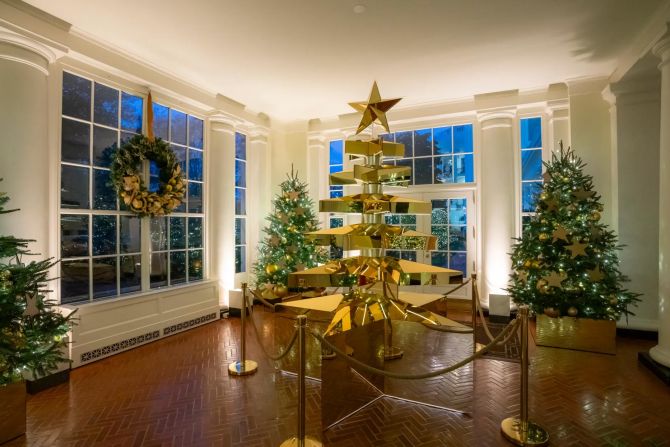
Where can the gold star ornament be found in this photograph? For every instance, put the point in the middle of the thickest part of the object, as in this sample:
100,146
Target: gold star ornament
577,249
554,279
560,233
596,274
374,110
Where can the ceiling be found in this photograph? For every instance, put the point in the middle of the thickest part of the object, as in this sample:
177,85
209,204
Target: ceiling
302,59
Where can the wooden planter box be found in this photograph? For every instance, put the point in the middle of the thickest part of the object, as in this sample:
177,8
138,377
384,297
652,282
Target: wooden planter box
581,334
12,411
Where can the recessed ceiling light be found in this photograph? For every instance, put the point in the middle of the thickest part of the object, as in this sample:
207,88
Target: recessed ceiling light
359,9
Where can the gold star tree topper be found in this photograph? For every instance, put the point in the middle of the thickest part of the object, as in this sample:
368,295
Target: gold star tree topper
374,110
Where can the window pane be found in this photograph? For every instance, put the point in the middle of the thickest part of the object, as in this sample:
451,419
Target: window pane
104,236
177,233
131,273
131,112
458,261
444,169
74,281
194,197
74,187
180,152
240,146
406,139
240,173
529,193
442,234
408,255
75,139
388,137
393,253
531,133
177,127
106,106
423,142
408,220
158,277
159,233
463,138
458,211
104,277
336,152
442,143
410,164
336,191
240,231
464,170
177,267
104,145
104,196
423,171
74,235
161,124
195,266
195,232
336,222
531,165
194,132
130,234
439,259
335,168
125,137
458,237
240,202
195,164
76,96
439,215
240,259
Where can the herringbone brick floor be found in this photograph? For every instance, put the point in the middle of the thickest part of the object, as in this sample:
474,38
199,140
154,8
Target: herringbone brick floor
176,392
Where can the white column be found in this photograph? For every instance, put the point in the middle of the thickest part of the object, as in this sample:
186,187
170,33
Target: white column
559,123
259,189
497,205
317,175
661,352
221,211
24,145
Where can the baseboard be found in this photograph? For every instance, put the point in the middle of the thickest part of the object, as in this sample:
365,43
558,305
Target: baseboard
637,333
662,372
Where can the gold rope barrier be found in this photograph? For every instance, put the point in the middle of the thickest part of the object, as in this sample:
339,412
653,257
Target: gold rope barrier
243,367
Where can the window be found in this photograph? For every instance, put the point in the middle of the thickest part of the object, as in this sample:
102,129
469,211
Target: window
448,222
101,242
531,165
335,221
336,164
240,202
407,221
177,240
440,155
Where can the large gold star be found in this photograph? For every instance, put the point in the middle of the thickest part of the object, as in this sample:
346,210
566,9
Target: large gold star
596,274
560,233
554,279
577,249
374,110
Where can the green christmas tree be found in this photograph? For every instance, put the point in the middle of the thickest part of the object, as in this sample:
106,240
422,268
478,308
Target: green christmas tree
566,260
285,248
31,330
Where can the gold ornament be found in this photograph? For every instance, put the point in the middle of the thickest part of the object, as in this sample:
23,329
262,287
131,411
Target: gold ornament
595,216
536,264
271,268
552,205
527,263
544,196
543,237
577,249
374,110
596,275
541,283
274,241
554,279
572,311
551,312
299,211
293,195
560,233
522,276
614,300
582,194
280,290
546,177
31,306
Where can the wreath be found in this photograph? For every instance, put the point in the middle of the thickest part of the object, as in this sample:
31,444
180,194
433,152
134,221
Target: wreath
127,180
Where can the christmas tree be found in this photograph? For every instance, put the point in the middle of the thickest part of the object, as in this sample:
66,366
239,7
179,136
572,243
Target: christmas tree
566,260
285,248
31,330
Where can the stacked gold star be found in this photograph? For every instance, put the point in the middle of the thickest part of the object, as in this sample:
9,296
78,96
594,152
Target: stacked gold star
373,279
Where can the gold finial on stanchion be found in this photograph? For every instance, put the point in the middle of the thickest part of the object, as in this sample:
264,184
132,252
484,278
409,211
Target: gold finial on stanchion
301,440
243,367
521,431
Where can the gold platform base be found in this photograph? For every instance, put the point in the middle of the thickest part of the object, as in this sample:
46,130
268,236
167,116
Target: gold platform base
582,334
392,353
532,435
242,369
293,442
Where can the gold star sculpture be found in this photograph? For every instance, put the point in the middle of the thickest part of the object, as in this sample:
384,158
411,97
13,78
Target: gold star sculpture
577,249
596,274
554,279
560,233
374,110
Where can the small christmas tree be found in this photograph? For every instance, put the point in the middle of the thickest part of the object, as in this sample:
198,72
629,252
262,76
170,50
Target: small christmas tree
31,330
566,260
285,248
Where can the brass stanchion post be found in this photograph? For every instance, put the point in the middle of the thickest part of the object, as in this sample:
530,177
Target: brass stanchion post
301,440
243,367
521,431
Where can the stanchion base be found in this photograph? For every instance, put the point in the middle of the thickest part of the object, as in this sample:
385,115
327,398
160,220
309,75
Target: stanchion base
242,369
532,435
392,353
328,356
293,442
